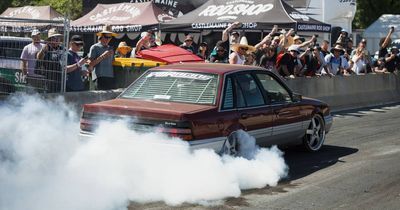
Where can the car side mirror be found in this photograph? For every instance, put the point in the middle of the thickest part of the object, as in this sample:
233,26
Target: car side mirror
296,97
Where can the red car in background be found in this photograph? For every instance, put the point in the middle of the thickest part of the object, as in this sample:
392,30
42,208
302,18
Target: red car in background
205,104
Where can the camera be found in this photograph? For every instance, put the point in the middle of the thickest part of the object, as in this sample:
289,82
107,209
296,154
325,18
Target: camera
316,35
392,28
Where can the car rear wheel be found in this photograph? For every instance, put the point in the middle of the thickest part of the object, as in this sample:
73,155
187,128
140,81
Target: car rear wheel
231,145
315,134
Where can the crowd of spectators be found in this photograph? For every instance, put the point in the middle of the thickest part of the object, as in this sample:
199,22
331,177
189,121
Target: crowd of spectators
284,52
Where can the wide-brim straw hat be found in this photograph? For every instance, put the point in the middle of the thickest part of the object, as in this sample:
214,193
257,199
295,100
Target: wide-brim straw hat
53,32
337,47
123,45
297,37
243,44
106,30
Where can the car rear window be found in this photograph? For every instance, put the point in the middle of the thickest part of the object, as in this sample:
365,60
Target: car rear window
175,86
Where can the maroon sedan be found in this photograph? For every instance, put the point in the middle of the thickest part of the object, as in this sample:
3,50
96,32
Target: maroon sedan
205,104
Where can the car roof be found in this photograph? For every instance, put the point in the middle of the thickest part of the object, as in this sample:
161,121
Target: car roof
213,68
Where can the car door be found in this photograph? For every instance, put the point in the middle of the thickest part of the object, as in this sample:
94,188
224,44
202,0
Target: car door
254,114
287,118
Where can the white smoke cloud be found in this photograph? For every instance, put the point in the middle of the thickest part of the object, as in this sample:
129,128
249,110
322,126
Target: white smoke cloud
44,165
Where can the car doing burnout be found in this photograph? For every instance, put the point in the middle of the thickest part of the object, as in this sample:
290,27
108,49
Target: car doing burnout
206,104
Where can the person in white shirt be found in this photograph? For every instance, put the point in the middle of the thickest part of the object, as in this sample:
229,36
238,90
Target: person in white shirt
28,55
238,56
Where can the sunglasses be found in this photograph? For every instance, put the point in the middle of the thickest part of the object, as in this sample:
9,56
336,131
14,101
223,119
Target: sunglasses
78,44
244,48
221,50
107,37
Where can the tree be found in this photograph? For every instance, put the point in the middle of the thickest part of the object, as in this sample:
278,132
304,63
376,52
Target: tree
370,10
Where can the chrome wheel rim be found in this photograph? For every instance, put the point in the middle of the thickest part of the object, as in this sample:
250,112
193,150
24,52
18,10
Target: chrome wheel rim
230,146
315,134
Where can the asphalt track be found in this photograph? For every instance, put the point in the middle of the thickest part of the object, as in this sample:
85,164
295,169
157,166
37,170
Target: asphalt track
358,168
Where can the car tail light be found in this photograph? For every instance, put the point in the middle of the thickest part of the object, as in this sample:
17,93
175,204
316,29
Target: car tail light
183,133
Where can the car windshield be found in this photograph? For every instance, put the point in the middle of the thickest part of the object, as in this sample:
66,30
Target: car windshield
175,86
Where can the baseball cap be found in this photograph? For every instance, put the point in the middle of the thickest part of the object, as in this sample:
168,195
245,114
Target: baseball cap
76,39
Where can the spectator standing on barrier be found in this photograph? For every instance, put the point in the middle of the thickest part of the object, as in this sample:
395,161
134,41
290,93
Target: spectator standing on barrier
49,61
101,56
268,60
343,38
393,60
313,63
29,53
287,64
367,56
74,65
380,66
336,63
146,41
188,44
203,51
220,55
359,62
324,48
384,43
123,50
238,56
229,38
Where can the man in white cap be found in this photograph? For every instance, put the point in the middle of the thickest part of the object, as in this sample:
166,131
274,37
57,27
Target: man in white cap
287,63
28,55
101,56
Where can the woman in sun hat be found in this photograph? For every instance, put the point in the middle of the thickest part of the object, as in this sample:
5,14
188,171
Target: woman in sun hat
123,50
238,56
101,56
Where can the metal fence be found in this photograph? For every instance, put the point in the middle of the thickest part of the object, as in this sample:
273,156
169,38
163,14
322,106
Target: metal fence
45,75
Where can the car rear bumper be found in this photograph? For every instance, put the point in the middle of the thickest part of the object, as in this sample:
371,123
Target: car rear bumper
213,143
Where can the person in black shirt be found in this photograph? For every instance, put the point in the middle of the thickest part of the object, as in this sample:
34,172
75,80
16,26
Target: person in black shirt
384,43
221,55
49,60
393,60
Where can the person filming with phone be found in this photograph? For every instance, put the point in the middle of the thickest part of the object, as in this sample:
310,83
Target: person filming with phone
74,65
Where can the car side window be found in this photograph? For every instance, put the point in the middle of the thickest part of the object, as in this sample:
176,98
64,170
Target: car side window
228,95
250,91
276,93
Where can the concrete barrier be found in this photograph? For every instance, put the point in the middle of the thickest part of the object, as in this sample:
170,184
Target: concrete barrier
340,92
350,92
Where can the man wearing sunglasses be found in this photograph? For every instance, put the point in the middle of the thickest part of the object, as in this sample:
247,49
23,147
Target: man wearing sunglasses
101,56
74,65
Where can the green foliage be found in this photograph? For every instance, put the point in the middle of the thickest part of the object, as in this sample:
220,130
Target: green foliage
73,8
370,10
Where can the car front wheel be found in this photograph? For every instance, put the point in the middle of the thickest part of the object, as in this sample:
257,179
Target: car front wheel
315,134
231,145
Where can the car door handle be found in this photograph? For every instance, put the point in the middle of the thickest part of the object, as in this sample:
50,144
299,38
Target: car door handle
283,112
244,116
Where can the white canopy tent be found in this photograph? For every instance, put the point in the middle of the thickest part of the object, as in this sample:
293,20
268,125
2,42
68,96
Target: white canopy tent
379,29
